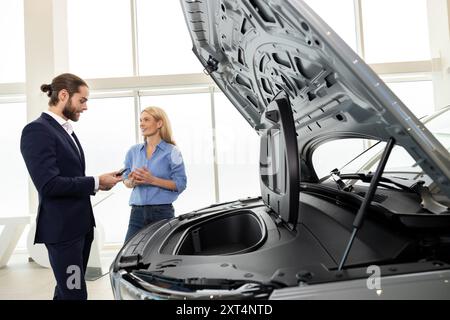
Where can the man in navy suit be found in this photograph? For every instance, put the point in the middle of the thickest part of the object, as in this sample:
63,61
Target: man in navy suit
55,161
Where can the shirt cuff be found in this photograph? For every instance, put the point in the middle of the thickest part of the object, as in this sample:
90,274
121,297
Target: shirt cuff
97,184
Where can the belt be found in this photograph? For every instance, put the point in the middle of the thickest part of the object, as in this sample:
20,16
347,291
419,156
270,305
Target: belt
152,205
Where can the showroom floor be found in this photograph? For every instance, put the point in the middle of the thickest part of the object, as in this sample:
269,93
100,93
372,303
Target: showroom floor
23,280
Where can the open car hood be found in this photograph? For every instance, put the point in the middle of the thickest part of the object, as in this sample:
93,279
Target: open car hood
255,49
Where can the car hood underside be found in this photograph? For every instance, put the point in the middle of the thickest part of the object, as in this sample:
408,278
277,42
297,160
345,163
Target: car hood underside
256,49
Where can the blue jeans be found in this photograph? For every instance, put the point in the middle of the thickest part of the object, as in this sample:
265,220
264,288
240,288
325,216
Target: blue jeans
142,216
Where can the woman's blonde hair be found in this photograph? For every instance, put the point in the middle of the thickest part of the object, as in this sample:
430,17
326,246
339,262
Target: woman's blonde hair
166,130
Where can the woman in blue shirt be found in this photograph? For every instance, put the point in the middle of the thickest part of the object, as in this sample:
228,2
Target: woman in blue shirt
154,170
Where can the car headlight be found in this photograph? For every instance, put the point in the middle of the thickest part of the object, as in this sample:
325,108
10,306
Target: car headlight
123,290
129,292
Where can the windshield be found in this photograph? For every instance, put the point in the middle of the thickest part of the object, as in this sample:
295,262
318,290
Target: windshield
362,155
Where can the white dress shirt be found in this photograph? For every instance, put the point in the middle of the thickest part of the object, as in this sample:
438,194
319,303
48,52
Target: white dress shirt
67,126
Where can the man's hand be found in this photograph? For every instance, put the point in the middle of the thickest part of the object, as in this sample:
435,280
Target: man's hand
142,176
108,180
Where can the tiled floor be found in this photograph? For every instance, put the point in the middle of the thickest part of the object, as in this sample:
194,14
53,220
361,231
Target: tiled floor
23,280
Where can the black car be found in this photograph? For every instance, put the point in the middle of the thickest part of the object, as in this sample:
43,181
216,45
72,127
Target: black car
376,232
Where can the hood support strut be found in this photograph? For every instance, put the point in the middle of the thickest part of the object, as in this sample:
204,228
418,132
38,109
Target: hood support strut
362,212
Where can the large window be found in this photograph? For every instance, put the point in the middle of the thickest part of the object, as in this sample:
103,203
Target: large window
12,54
14,186
190,116
100,38
416,95
237,152
395,31
106,131
339,15
165,46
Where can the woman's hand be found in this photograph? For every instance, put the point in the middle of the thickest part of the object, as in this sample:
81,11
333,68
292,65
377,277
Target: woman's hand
129,182
142,176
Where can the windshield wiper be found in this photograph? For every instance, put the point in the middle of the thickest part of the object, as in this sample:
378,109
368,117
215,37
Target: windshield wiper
418,187
367,177
336,176
339,178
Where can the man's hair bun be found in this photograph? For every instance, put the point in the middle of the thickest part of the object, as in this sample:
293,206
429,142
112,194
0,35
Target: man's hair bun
47,88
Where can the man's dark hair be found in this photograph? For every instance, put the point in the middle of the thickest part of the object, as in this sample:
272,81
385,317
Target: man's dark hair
67,81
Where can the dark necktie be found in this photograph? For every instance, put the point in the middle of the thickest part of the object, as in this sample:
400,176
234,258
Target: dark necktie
79,147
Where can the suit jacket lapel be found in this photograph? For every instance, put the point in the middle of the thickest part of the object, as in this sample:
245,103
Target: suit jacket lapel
83,161
58,127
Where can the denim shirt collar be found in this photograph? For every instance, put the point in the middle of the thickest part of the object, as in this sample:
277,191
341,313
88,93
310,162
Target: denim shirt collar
161,145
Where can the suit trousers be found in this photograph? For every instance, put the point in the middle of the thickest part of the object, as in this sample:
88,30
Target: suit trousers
69,260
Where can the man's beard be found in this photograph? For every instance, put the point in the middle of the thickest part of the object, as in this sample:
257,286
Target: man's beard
69,112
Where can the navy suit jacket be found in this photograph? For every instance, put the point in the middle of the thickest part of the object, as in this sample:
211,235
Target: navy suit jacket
58,173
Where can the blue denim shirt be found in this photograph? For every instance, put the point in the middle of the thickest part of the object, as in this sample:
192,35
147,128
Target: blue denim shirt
166,162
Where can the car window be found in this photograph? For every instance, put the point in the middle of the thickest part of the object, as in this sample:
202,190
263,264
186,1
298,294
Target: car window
362,155
346,156
399,162
337,154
